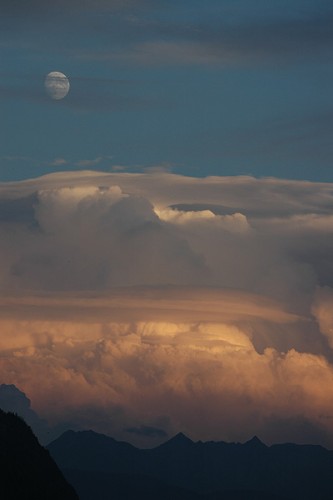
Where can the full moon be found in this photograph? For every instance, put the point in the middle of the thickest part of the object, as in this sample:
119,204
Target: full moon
57,85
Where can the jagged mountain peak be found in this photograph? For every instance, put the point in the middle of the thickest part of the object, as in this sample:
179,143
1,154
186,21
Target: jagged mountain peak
179,440
255,442
198,468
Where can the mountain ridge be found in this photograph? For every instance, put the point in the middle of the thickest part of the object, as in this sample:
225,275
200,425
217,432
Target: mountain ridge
201,468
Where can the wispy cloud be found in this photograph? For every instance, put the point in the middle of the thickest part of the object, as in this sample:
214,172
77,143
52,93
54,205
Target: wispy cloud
92,162
224,42
82,163
226,36
16,158
58,162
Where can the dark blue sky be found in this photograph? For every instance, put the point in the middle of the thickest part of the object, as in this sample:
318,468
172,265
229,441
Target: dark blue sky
220,87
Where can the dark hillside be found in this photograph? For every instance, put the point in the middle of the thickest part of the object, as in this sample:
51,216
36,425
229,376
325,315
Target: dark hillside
26,469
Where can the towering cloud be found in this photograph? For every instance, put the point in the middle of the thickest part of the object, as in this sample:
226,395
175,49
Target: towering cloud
155,301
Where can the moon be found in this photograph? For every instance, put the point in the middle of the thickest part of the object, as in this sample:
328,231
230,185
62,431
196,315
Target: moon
56,85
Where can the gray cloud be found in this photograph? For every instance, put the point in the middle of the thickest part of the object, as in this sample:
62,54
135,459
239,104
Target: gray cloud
123,228
293,430
184,244
18,210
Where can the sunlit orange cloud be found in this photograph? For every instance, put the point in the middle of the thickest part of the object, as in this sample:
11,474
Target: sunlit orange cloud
184,357
196,304
29,320
201,305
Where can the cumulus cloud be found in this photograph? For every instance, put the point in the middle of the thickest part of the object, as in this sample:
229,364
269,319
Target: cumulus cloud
202,376
235,223
155,301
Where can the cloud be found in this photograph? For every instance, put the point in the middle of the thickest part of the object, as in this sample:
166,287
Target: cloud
90,163
225,38
129,300
235,223
83,163
144,32
323,312
58,162
161,53
202,376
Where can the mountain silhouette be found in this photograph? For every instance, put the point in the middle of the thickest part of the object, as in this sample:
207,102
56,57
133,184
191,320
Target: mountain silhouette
179,441
15,401
26,468
181,468
254,443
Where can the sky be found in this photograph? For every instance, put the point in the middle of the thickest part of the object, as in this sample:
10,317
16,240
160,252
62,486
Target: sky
166,228
218,87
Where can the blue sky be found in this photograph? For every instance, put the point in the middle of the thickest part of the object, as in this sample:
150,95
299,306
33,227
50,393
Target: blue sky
200,88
